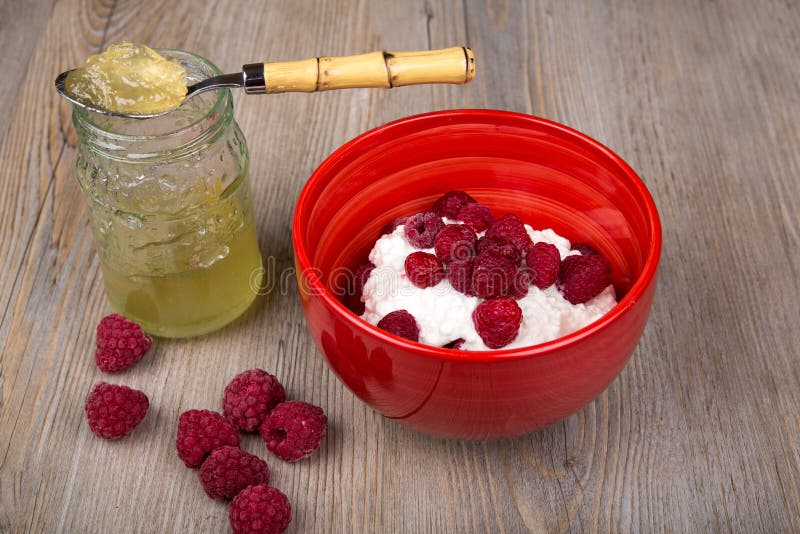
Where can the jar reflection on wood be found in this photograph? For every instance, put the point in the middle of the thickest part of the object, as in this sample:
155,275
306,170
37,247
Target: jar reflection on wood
171,211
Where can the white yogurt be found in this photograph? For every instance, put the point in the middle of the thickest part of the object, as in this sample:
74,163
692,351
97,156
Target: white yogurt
444,314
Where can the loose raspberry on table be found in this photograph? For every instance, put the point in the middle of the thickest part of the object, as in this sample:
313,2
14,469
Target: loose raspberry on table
492,275
120,343
497,321
113,411
585,249
200,432
544,262
260,509
249,397
477,216
421,229
459,274
455,242
228,470
352,298
511,228
499,246
583,277
391,226
294,430
424,269
400,323
449,204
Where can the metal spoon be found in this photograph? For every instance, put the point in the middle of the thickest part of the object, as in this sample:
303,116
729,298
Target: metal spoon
374,69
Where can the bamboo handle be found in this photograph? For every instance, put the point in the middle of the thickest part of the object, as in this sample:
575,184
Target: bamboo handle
374,69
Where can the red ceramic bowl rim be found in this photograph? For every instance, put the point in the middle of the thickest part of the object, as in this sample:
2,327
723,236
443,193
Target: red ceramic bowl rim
304,204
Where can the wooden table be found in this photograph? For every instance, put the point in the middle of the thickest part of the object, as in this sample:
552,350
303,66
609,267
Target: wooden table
698,433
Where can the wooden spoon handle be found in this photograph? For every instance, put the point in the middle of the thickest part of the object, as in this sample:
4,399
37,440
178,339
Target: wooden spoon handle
374,69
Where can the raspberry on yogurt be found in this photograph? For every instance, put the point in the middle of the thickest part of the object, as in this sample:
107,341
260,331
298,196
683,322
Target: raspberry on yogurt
477,216
423,269
497,321
455,242
449,204
421,229
492,275
511,228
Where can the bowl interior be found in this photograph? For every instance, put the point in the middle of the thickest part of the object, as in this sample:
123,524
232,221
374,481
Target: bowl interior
547,174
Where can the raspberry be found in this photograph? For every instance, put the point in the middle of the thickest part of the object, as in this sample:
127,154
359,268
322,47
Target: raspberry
520,283
449,204
544,263
114,411
200,432
400,323
391,226
455,242
492,275
583,277
249,397
499,246
477,216
421,229
294,430
260,510
459,274
120,343
229,470
423,269
456,344
497,321
511,228
584,249
352,300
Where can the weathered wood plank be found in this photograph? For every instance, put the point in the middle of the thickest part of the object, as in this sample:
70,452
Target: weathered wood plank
699,433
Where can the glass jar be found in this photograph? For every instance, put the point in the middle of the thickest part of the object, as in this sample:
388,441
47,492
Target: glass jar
171,210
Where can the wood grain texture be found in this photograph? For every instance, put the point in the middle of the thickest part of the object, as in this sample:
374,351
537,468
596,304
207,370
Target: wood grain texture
700,431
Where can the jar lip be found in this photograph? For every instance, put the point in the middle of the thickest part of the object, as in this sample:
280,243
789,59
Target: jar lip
83,116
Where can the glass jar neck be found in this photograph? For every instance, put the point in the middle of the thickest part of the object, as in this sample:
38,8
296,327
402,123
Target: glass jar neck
177,134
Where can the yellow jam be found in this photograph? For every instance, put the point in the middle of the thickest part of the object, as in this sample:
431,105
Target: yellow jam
128,78
197,295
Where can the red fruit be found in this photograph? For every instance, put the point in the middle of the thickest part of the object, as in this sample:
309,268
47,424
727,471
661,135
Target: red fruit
120,343
449,204
584,249
492,275
455,344
544,263
455,242
294,430
421,229
497,321
500,247
511,228
477,216
260,510
391,226
229,470
114,411
353,300
423,269
400,323
200,432
583,277
249,397
520,283
459,274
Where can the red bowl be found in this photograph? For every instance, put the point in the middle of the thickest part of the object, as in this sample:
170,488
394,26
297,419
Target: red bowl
549,175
